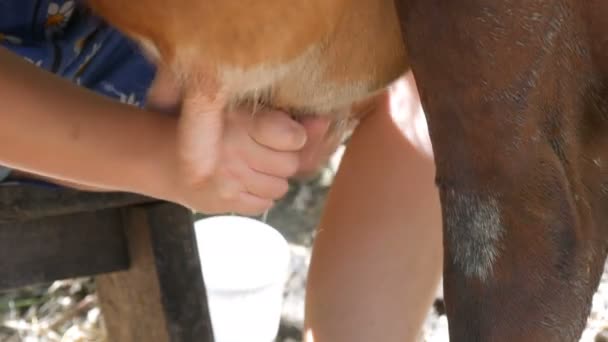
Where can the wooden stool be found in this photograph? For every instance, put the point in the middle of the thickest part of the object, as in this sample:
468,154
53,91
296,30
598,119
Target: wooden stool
142,251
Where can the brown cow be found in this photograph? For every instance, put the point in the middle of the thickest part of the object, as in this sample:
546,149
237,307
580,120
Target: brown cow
516,99
517,104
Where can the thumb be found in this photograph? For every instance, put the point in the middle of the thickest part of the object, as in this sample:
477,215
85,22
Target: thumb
200,129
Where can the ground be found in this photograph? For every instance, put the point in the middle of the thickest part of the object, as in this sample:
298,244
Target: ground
67,311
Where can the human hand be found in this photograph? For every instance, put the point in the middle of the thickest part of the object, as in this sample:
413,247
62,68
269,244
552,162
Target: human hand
233,161
236,161
323,140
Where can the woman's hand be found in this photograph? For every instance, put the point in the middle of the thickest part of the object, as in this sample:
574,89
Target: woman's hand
241,163
230,161
236,161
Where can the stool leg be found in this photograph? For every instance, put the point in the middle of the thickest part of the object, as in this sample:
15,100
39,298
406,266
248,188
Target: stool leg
162,296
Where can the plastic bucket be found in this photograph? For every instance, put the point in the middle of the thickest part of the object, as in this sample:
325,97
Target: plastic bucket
245,265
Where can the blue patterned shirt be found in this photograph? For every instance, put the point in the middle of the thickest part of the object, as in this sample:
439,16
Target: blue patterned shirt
63,37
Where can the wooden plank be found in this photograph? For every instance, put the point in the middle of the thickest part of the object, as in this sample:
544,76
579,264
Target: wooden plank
59,247
162,296
130,300
27,202
179,270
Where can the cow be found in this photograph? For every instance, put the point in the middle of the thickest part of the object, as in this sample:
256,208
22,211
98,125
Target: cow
516,98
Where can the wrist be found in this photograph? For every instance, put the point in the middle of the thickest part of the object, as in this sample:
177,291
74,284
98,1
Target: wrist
155,172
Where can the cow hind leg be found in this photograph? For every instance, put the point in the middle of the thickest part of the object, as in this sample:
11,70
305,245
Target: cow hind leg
506,86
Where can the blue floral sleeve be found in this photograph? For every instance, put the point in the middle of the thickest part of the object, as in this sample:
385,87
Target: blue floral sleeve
63,37
66,39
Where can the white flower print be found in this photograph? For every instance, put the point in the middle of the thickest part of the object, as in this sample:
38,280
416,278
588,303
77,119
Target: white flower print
79,45
58,16
122,97
96,47
36,63
10,39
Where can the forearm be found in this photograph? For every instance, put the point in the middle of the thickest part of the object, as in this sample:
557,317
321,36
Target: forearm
56,129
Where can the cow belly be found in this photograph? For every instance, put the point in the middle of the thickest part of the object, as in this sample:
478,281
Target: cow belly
303,85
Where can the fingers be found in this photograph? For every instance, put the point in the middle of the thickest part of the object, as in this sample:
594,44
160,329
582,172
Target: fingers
243,203
265,186
278,131
271,162
200,133
277,150
238,162
243,136
249,192
315,150
238,177
253,205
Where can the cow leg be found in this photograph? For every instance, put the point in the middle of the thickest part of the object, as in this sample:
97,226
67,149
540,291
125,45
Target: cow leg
504,85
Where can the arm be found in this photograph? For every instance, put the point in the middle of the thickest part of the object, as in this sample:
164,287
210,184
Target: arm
56,129
206,158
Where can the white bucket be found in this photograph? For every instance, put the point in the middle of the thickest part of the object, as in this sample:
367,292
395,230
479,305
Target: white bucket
245,265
